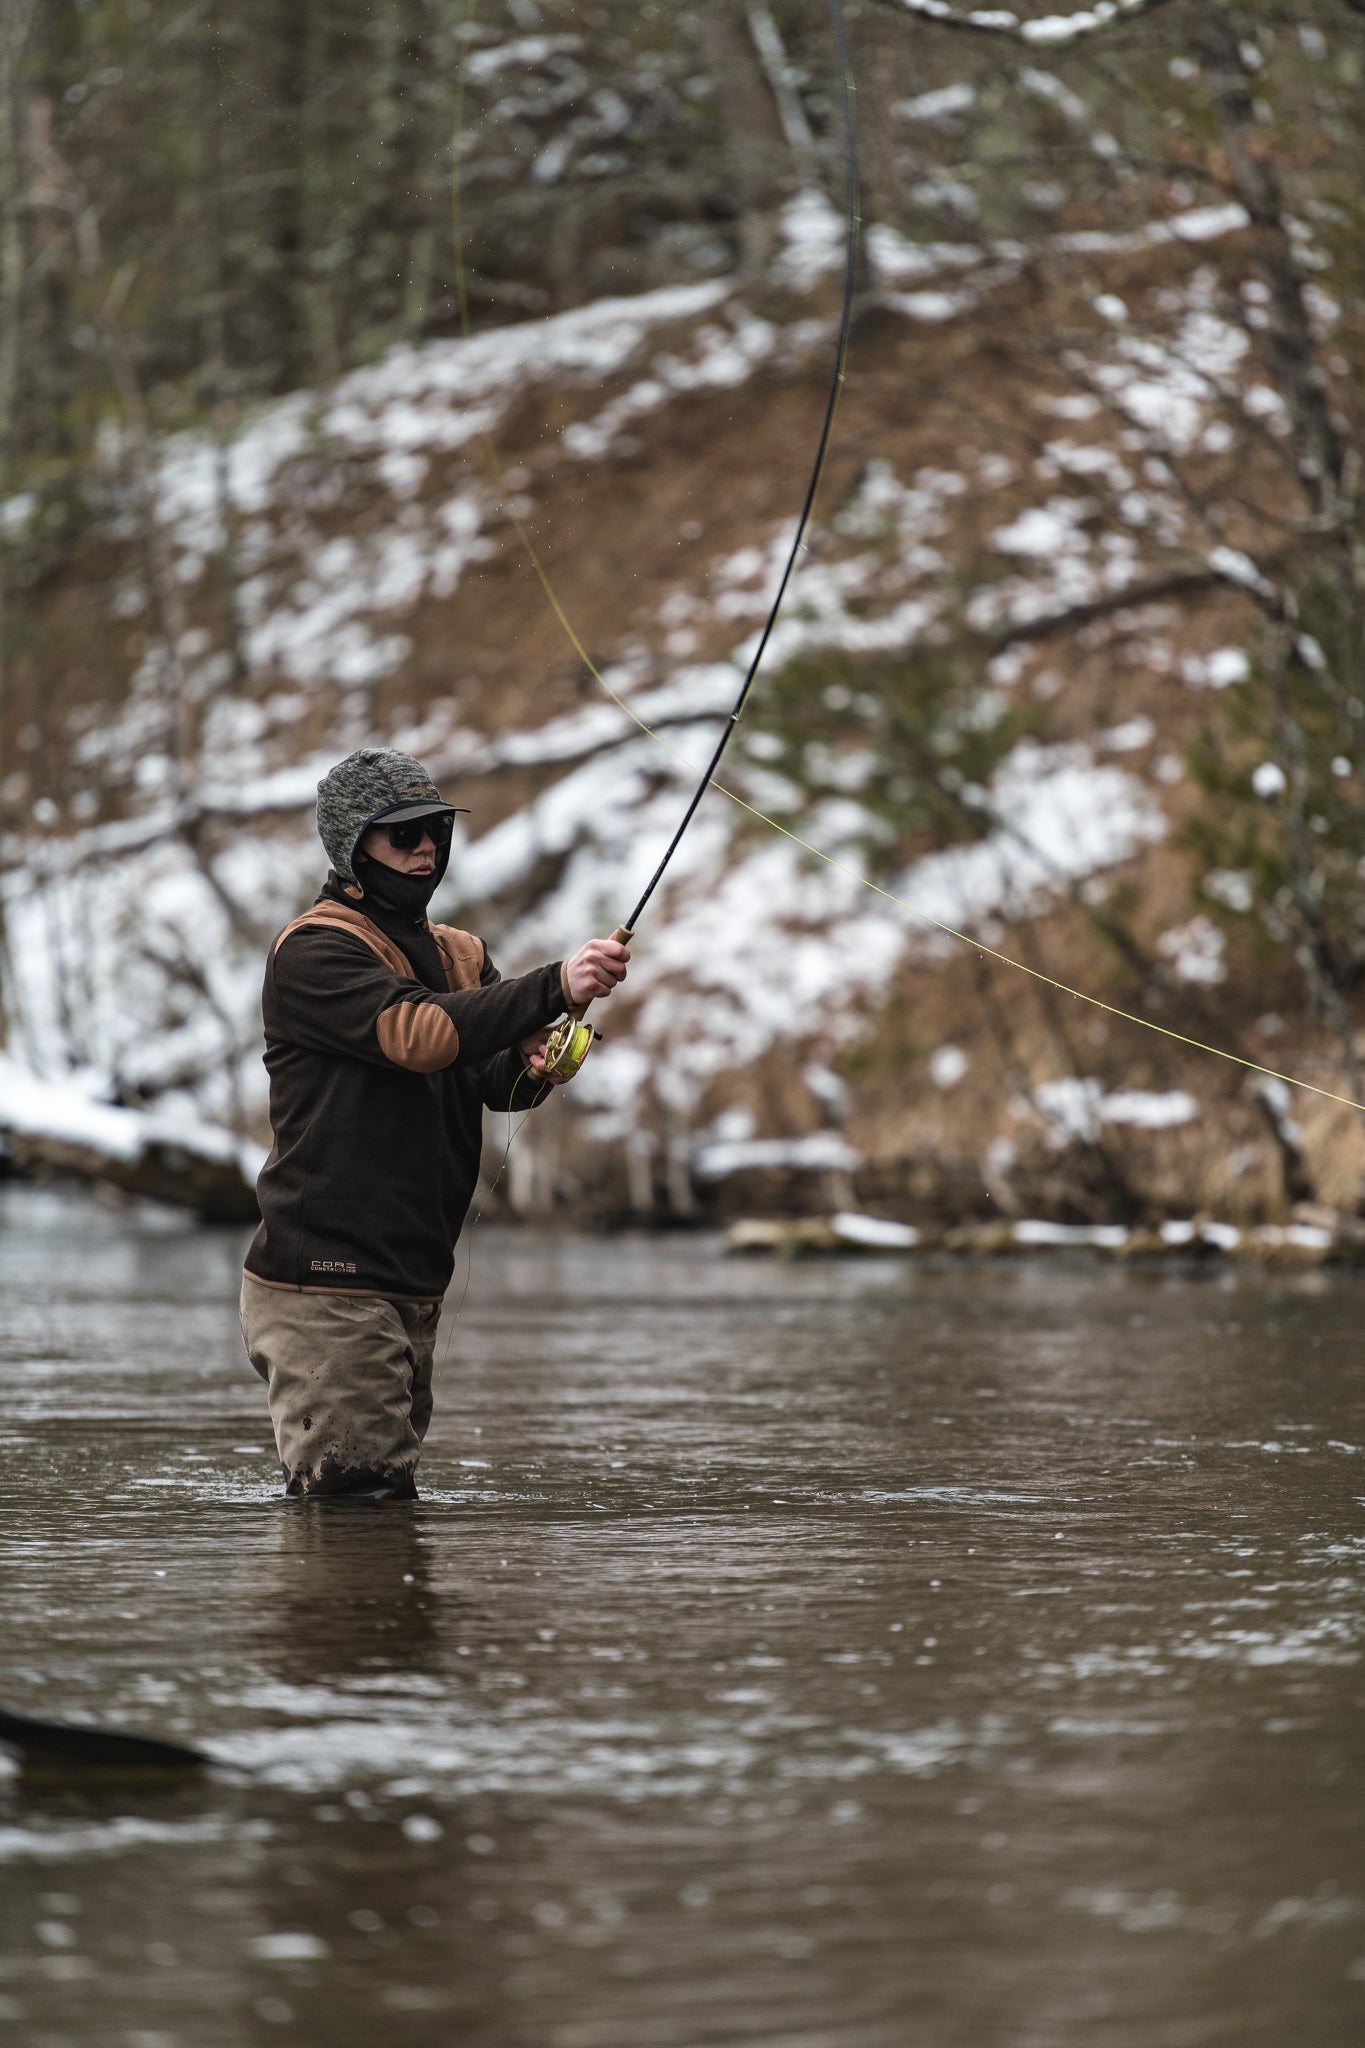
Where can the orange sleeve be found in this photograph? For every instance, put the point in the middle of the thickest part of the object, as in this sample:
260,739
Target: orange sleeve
419,1036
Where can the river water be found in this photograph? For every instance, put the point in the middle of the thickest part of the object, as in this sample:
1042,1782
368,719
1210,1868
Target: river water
850,1655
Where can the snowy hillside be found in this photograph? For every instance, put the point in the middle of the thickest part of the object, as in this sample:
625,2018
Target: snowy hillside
1036,574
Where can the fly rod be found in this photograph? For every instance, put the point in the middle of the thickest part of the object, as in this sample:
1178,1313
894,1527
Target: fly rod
572,1038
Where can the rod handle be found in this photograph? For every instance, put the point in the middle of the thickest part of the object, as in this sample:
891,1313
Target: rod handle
623,936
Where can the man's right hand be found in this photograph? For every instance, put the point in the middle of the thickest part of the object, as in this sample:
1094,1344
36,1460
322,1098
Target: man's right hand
593,971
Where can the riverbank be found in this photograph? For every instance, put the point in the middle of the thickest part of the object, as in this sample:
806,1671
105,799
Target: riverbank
1315,1238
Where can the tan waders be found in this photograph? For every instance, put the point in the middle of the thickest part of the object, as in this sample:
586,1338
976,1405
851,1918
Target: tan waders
350,1385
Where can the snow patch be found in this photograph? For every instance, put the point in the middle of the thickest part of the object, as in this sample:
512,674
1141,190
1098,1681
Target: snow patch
875,1233
813,239
947,1065
1074,1108
1069,1236
821,1152
1195,951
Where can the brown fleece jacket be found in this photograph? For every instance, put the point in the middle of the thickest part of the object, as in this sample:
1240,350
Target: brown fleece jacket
384,1045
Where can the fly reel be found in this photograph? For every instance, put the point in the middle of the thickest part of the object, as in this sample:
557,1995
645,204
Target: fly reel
570,1041
568,1046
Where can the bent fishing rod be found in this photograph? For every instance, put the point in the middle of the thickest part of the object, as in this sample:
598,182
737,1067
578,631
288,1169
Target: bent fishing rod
572,1038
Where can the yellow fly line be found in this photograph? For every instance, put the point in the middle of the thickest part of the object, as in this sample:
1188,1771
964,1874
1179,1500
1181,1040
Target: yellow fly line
552,596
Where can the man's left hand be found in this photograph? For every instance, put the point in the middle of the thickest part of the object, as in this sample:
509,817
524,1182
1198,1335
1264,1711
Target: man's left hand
532,1050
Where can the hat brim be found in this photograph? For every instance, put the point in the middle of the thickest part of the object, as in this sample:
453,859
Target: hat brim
402,812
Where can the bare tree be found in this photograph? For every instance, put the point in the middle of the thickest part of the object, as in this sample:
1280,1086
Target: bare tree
757,153
1049,32
16,23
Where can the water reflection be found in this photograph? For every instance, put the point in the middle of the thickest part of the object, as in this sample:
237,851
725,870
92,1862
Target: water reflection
343,1590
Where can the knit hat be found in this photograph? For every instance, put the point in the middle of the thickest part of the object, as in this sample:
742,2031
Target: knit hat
373,785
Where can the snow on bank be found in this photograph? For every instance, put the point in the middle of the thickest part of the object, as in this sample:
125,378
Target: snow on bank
129,968
68,1113
821,1152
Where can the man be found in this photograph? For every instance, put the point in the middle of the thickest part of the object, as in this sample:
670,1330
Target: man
386,1039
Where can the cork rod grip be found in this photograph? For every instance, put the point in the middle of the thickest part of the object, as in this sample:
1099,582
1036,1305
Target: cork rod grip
623,936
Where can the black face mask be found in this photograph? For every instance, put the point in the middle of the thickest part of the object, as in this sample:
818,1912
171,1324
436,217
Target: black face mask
389,889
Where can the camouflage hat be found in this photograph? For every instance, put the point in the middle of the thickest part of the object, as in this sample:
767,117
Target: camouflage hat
373,784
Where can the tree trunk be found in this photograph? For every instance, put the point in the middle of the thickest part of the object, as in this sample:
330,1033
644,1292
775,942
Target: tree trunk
757,159
15,23
1255,179
289,230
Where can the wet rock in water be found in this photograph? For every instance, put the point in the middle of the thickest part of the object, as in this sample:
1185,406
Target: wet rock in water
799,1236
1319,1238
68,1749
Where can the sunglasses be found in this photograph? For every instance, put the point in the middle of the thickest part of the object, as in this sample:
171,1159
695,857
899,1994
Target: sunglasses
408,835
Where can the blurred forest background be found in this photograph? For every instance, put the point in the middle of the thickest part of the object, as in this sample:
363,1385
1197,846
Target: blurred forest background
1074,662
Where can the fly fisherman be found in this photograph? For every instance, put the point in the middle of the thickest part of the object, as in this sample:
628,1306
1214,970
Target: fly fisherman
386,1038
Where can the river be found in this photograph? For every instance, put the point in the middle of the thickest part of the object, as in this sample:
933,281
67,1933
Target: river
857,1654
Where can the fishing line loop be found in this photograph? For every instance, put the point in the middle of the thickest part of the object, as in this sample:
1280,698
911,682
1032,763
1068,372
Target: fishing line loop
513,1132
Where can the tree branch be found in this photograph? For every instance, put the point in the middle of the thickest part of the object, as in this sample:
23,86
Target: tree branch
1150,590
782,77
1051,31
